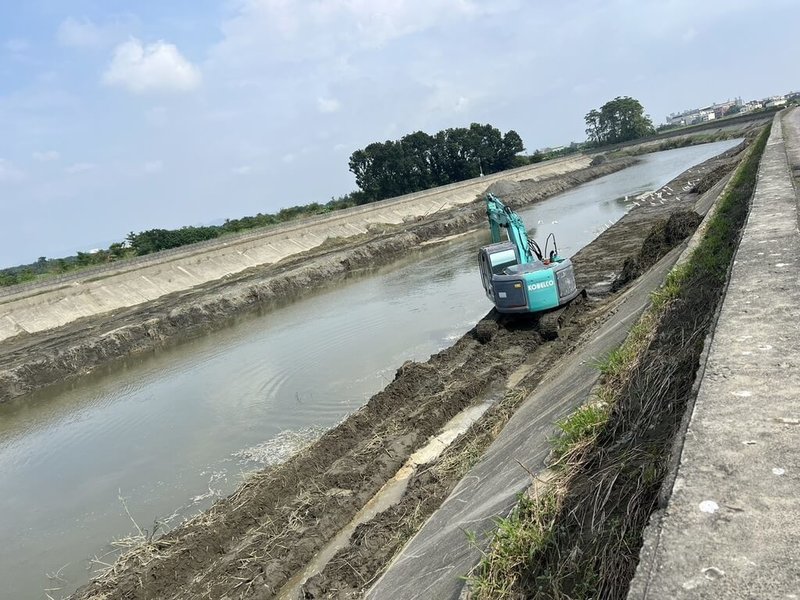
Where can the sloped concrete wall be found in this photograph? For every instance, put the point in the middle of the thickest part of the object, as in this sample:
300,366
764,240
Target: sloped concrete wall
48,305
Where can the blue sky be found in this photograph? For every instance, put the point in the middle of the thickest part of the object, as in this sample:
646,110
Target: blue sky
119,116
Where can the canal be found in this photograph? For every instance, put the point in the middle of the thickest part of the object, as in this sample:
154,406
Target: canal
160,437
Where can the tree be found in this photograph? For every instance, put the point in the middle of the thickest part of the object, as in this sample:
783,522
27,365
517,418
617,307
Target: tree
418,161
619,120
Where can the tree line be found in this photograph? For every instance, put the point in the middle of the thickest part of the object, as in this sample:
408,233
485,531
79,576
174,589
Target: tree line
419,161
155,240
415,162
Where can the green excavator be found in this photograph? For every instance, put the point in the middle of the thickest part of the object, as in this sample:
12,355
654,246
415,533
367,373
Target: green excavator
520,278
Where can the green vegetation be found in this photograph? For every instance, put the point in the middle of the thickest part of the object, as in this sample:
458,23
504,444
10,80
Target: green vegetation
45,267
155,240
619,120
580,536
519,537
419,161
578,428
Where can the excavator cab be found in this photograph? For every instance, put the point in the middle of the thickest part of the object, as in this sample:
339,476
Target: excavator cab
494,260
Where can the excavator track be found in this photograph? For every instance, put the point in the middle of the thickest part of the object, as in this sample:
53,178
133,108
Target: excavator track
550,322
547,324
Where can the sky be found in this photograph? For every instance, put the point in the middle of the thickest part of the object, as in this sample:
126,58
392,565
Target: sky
122,115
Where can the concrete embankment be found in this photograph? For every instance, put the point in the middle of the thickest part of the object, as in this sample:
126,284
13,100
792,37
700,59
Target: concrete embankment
31,309
731,524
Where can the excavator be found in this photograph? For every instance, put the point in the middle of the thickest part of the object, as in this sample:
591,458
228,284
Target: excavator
520,278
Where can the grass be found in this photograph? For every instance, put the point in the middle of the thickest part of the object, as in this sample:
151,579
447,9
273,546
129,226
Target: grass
579,536
618,361
578,429
518,538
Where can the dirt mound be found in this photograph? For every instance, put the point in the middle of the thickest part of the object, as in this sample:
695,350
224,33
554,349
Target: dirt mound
504,187
662,238
709,179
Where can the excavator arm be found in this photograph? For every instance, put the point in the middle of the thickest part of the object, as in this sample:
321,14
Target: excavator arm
502,217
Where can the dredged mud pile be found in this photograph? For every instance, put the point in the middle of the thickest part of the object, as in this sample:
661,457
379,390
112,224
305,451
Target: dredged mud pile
251,543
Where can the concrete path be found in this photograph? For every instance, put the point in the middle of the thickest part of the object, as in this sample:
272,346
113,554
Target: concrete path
431,565
732,525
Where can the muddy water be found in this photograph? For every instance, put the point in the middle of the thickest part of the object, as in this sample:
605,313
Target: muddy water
161,436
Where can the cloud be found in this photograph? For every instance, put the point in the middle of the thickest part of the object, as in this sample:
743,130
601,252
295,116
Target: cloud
81,167
9,173
328,105
373,23
270,31
80,33
46,156
157,67
242,170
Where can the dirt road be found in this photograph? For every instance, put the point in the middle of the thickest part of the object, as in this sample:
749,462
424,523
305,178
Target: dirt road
251,543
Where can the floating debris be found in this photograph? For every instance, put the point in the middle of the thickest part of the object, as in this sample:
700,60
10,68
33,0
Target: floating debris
280,448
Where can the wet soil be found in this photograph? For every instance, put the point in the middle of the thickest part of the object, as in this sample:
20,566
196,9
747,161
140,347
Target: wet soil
249,544
31,362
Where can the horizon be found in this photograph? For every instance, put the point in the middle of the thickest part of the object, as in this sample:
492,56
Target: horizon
163,116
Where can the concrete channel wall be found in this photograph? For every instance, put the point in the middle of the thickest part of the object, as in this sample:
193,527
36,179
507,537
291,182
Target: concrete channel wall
731,525
49,304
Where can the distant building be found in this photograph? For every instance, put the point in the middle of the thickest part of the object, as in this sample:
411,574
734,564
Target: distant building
701,115
775,101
